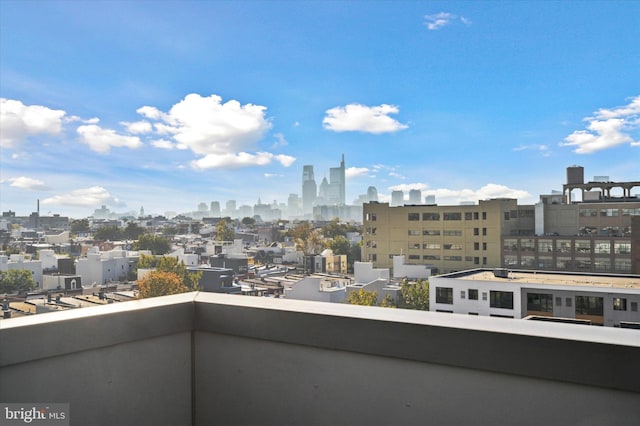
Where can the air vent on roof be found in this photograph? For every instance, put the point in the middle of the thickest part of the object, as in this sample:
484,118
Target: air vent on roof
501,273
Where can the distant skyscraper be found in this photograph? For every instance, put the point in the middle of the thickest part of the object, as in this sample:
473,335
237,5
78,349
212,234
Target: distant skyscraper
337,187
397,198
309,189
415,196
372,193
215,209
323,192
430,199
230,209
202,207
141,211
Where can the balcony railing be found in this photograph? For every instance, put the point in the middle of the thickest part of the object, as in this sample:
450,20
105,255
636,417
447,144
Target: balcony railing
203,358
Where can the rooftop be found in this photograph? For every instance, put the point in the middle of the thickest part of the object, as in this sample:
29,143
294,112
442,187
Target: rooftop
552,278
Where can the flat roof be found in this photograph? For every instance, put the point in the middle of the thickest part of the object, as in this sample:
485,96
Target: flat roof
552,278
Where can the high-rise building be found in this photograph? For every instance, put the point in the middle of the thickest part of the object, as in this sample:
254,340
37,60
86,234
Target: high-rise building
372,194
230,209
415,196
215,209
309,189
397,198
336,193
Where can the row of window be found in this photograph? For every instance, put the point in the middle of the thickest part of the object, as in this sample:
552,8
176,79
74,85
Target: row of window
497,299
539,302
447,216
566,263
446,233
566,246
611,212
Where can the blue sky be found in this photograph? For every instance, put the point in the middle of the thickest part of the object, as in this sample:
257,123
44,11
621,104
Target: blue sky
167,104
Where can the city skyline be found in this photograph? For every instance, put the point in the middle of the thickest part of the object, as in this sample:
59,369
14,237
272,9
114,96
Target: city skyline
169,104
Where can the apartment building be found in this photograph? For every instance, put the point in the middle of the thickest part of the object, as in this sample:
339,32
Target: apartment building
598,299
600,233
449,238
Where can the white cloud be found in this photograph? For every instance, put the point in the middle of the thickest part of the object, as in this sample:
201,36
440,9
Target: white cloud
446,196
86,197
465,21
396,175
19,121
272,175
541,148
362,118
608,128
24,182
163,144
241,159
280,141
101,140
138,127
222,134
438,20
352,172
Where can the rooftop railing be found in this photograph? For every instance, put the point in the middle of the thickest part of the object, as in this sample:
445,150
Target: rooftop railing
203,358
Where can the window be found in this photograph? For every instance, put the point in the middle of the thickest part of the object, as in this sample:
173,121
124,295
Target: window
468,216
589,305
484,260
609,212
413,232
373,257
450,233
622,265
622,247
484,295
588,212
468,258
602,247
484,246
414,257
475,216
370,216
631,212
430,257
602,264
563,246
476,231
619,304
558,301
506,215
484,215
473,294
501,299
510,245
568,302
476,260
545,246
430,216
453,246
371,231
414,245
539,302
545,262
414,216
583,246
452,216
634,306
476,246
454,258
527,245
431,232
484,231
444,295
431,246
462,294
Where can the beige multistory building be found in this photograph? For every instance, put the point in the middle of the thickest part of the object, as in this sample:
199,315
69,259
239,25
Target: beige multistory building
451,238
599,233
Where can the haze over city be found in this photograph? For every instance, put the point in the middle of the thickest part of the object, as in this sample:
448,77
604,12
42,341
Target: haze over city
169,104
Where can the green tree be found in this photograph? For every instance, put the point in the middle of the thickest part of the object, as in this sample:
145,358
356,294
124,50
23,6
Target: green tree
363,297
415,295
108,233
224,232
160,283
80,225
388,302
248,221
133,231
16,281
146,262
171,264
340,245
155,243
